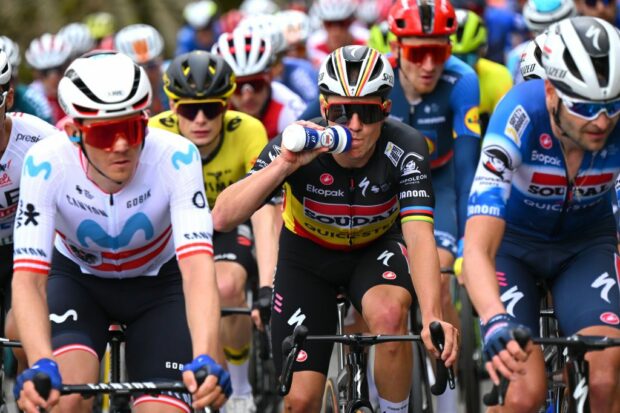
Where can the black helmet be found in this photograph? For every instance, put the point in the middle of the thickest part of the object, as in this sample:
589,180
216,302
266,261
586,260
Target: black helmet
199,75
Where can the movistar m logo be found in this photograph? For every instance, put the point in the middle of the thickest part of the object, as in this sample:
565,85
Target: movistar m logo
34,169
91,229
185,158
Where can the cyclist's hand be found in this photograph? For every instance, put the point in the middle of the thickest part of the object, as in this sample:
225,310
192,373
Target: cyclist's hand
28,399
297,159
214,391
261,308
458,262
501,351
451,343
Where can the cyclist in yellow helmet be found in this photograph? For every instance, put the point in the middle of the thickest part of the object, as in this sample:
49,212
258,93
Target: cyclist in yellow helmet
469,44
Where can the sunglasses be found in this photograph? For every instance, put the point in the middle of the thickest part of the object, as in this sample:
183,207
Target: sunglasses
211,108
590,110
337,23
103,134
3,96
254,84
592,3
439,53
342,113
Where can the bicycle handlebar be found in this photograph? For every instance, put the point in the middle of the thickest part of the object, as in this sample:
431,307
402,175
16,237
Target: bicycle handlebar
580,344
293,344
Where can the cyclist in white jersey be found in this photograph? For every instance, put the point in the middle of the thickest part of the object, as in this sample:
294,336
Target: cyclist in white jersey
18,132
133,245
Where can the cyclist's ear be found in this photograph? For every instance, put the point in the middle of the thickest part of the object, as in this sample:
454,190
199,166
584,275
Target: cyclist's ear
323,106
387,106
72,131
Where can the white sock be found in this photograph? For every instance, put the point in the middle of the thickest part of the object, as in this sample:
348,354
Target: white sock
239,378
373,395
391,407
447,402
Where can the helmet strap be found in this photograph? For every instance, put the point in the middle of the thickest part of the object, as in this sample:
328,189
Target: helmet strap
83,149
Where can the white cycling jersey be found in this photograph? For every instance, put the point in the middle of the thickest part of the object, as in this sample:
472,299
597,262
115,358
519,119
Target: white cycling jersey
284,108
133,232
26,130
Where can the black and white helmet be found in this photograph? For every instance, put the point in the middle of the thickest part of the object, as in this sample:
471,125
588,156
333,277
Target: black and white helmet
531,59
103,85
356,71
5,68
581,57
12,50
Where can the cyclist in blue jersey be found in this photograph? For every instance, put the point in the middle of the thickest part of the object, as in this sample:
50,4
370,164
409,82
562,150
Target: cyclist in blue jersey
202,28
540,210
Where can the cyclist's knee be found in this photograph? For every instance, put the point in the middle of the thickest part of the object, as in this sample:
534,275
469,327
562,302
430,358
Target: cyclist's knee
524,402
300,400
75,403
388,318
231,287
603,385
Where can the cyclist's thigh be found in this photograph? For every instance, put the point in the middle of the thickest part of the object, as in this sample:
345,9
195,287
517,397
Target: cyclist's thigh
517,286
445,207
236,246
77,321
383,263
586,292
302,298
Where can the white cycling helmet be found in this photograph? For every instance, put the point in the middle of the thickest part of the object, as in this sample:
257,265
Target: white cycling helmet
199,14
581,57
104,85
334,10
531,59
368,11
48,51
247,53
141,42
268,24
540,14
356,71
295,26
253,7
5,68
12,50
79,38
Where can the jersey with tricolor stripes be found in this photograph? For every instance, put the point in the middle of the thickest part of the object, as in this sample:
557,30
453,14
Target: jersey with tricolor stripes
26,130
133,232
342,208
522,178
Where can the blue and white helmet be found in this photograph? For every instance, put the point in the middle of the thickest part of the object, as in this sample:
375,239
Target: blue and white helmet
540,14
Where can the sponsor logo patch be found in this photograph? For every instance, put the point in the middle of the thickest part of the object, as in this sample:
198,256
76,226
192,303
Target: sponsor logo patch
472,120
517,122
393,152
610,318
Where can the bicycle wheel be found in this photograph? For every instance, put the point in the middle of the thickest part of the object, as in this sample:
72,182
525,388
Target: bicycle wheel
263,379
469,375
420,396
330,398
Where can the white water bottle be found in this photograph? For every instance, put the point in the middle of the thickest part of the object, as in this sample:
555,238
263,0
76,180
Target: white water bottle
298,138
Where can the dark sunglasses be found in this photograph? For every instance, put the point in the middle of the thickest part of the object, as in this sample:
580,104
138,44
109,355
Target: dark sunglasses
590,110
439,53
211,108
592,3
254,84
103,134
342,113
337,23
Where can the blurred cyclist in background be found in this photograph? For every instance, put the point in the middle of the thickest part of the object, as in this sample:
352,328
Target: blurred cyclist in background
145,45
48,55
102,26
201,28
78,36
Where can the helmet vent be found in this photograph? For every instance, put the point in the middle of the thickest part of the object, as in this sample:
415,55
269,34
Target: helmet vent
426,17
571,65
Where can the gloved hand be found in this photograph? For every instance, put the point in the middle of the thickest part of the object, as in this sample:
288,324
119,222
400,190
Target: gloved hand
458,263
263,303
497,332
204,361
45,366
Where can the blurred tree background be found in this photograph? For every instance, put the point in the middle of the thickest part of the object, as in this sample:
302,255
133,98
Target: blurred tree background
23,20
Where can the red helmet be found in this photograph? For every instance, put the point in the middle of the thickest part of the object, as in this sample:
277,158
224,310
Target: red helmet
424,18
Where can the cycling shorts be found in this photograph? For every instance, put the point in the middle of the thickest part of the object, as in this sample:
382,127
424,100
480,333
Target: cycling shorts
308,279
6,274
236,246
446,227
152,308
581,273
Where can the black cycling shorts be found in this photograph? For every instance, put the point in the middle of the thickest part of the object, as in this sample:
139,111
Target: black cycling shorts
82,307
236,246
308,279
6,274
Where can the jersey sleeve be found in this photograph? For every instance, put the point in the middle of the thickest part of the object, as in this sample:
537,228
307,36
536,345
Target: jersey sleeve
465,101
415,195
500,157
257,139
190,215
35,222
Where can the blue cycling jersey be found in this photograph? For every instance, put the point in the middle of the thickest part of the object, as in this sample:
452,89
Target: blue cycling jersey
301,77
501,24
448,118
522,175
186,39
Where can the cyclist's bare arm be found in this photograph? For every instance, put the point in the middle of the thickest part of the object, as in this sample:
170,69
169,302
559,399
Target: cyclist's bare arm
424,266
263,223
483,235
